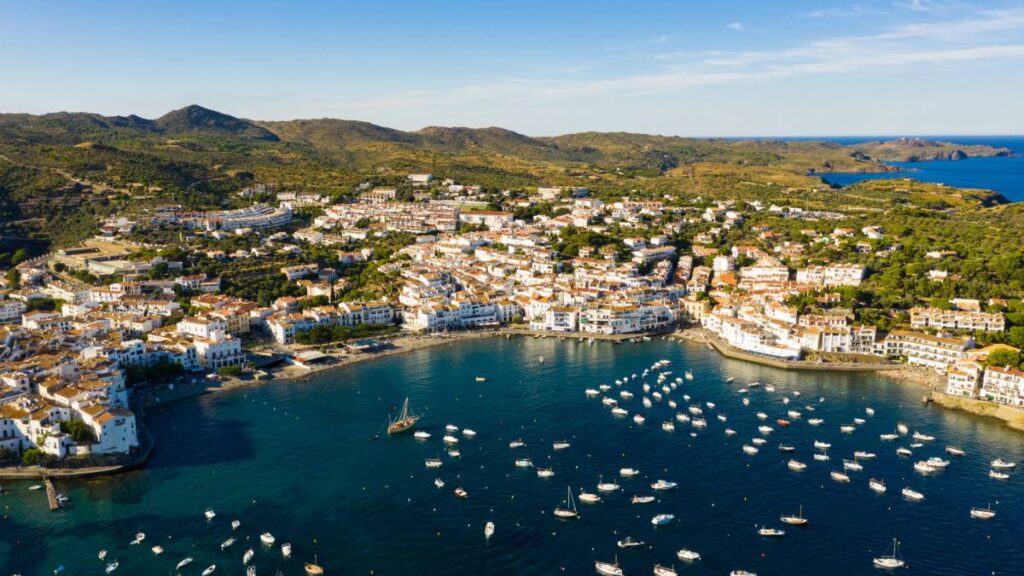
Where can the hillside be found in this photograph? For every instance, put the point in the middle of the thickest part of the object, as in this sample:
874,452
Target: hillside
61,172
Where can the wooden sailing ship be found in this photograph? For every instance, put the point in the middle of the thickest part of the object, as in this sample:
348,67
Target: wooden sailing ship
405,420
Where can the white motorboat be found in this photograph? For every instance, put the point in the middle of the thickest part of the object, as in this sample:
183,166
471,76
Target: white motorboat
819,445
922,437
209,570
762,416
112,566
567,509
710,405
668,426
786,448
454,453
185,562
461,492
469,433
138,538
247,557
904,451
102,555
852,465
687,555
210,514
770,532
647,388
589,498
815,421
642,499
902,428
699,423
847,428
663,485
603,486
742,573
821,457
983,513
604,387
438,483
449,439
608,568
796,465
922,467
750,450
955,451
591,393
877,485
657,396
421,434
628,472
560,445
683,418
997,475
235,524
746,401
451,428
764,429
626,395
619,411
859,421
662,519
673,404
433,462
488,529
869,411
730,432
891,560
864,455
689,375
629,542
524,463
1000,464
647,402
639,419
227,544
785,399
888,437
517,443
758,442
722,417
609,401
158,549
794,414
286,550
911,494
695,410
938,463
545,472
797,520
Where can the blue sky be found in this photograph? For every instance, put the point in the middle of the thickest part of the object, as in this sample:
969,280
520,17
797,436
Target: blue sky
696,68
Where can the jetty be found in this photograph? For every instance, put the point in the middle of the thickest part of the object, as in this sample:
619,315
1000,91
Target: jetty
51,493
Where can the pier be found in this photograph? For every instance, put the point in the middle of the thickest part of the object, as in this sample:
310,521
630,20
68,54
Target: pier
51,494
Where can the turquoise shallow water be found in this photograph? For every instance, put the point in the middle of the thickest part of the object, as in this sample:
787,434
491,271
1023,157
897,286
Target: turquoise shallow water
295,459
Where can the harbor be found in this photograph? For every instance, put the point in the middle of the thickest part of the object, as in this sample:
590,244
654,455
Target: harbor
215,451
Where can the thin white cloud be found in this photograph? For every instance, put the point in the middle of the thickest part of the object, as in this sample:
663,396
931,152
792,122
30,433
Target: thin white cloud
919,5
659,40
854,11
986,36
735,26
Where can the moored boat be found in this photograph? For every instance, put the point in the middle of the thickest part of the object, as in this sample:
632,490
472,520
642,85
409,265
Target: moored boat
405,420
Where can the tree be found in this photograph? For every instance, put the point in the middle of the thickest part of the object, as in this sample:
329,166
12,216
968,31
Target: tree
233,371
13,278
19,256
35,457
78,430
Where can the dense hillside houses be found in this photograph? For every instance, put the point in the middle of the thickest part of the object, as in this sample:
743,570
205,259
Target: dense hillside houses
426,255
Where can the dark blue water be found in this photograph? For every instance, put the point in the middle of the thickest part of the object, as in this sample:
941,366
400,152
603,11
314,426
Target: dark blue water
1004,175
294,459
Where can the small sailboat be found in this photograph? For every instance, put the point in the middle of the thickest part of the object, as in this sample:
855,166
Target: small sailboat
877,485
247,557
668,426
102,555
797,520
890,560
818,444
608,568
864,455
185,562
821,457
839,476
660,570
568,511
770,532
983,513
313,568
209,569
589,498
405,420
852,465
112,566
619,411
227,544
603,486
488,529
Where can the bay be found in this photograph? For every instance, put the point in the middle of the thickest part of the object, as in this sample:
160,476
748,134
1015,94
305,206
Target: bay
295,459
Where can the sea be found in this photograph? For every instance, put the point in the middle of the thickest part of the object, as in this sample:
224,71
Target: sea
298,460
1004,174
